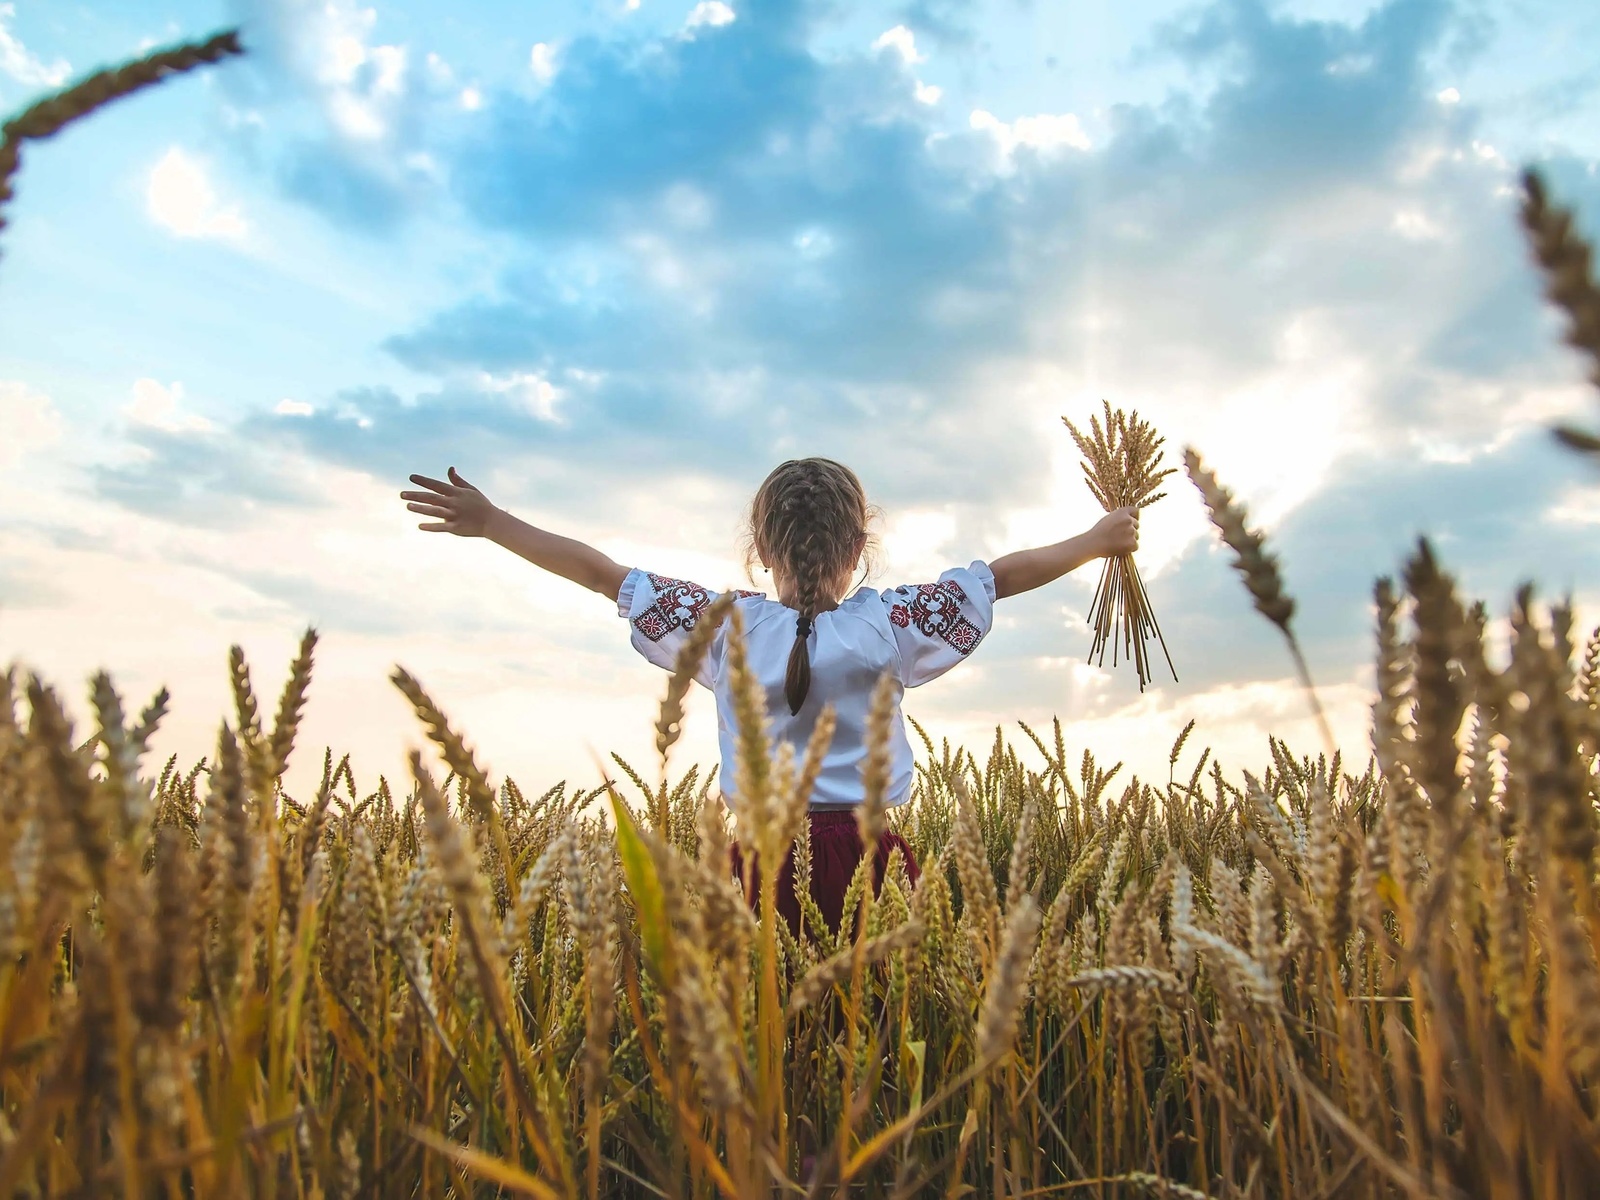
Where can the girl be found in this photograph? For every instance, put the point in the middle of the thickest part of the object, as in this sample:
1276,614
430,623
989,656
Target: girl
812,644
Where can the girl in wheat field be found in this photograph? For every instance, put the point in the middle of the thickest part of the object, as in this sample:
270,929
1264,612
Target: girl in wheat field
813,643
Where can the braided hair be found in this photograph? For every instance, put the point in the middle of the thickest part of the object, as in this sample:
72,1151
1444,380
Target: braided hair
809,518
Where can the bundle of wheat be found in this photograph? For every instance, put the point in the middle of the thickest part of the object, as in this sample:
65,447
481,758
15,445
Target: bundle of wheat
1122,466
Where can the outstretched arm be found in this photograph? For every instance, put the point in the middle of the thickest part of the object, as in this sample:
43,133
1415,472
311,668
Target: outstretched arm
463,510
1115,533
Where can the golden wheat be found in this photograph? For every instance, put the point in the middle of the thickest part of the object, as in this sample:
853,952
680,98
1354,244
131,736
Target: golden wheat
1122,466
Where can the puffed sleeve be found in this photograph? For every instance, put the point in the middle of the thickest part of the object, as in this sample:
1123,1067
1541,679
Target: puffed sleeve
661,612
936,625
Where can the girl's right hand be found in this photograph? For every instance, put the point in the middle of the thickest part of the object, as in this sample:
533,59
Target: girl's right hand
1118,532
461,509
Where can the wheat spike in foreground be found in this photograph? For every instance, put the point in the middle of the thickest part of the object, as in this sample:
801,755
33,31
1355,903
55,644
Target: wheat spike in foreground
469,986
50,116
1566,259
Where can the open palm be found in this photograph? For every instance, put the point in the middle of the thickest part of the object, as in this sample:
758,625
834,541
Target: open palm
456,505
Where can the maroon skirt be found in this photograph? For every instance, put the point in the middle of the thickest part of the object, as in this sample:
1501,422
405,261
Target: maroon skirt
835,854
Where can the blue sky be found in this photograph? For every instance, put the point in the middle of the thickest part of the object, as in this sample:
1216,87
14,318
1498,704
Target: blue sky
614,259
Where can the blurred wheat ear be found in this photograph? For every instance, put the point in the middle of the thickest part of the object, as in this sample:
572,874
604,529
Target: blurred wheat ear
54,113
1258,567
1566,260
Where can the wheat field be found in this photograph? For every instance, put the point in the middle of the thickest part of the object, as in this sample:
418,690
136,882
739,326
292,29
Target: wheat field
1298,981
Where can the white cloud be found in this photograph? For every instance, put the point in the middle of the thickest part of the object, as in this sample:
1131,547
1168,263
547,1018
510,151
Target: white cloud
329,45
1351,64
1449,96
242,118
1416,225
18,62
542,62
918,544
928,93
1046,131
1580,505
179,197
159,406
814,242
687,206
903,42
29,419
293,408
421,163
709,12
471,99
534,393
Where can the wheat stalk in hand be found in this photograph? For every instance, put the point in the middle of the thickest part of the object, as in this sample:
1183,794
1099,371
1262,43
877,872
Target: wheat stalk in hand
1122,466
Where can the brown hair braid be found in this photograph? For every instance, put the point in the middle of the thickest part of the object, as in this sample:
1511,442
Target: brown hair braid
809,518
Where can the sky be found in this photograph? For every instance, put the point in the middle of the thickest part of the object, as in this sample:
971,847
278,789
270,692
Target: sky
615,259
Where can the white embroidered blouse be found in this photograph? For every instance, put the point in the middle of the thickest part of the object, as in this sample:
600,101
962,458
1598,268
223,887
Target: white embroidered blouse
917,632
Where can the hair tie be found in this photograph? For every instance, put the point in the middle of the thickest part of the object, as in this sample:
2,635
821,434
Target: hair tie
802,627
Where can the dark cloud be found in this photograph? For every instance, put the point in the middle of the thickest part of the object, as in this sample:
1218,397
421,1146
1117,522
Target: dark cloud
832,240
344,188
947,24
210,479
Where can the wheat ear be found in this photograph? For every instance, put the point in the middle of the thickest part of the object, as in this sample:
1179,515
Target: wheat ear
1566,258
1258,567
54,113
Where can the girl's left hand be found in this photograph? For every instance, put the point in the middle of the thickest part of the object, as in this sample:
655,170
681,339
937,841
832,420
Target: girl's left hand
459,507
1117,532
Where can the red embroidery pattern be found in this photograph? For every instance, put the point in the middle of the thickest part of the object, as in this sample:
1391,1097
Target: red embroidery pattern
678,606
935,609
744,595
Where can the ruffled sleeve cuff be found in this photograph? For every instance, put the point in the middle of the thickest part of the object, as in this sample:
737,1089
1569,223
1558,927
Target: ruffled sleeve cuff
985,576
630,585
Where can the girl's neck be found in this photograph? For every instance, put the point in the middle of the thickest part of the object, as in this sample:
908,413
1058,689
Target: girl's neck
786,595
